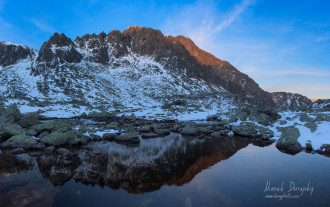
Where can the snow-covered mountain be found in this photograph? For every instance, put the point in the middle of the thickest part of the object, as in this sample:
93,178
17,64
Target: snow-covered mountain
138,67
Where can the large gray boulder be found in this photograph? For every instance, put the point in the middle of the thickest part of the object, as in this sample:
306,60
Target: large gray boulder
22,141
29,120
251,130
11,114
54,125
59,138
312,126
190,130
12,129
264,119
129,137
288,140
305,118
245,130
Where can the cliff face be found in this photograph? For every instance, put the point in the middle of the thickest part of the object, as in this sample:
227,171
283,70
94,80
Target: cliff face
134,66
226,74
290,99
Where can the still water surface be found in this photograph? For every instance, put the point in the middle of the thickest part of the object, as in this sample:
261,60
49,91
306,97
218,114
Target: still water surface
170,171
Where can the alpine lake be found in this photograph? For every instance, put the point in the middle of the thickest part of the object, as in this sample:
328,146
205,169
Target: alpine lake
167,171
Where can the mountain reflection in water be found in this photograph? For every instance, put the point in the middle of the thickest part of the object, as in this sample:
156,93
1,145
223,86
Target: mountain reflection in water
102,172
172,160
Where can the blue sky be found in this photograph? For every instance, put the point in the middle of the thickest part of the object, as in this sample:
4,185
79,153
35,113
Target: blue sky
284,45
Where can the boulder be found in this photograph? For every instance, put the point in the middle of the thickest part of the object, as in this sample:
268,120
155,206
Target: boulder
28,120
12,129
130,118
56,139
311,125
190,130
162,132
251,130
212,118
149,135
54,125
319,117
129,137
288,140
95,137
264,119
282,122
31,132
109,136
11,114
22,141
113,125
144,129
305,118
265,133
59,138
205,130
245,130
325,149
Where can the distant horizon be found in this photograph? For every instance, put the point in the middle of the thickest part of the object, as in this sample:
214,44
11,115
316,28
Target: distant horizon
283,46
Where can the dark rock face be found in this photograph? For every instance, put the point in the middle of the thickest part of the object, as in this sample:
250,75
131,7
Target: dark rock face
59,49
11,53
290,99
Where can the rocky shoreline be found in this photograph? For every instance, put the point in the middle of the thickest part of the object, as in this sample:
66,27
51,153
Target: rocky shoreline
32,131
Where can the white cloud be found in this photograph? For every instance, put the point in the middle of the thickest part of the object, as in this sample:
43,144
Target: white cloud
198,22
43,26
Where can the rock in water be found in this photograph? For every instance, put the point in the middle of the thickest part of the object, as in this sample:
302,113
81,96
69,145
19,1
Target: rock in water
22,141
130,138
190,130
288,140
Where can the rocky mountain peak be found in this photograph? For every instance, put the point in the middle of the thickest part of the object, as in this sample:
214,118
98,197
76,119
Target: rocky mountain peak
59,40
131,29
288,99
143,56
11,53
59,48
202,56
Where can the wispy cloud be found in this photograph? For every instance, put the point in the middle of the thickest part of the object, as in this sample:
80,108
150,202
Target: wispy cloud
234,15
273,74
324,37
43,26
204,15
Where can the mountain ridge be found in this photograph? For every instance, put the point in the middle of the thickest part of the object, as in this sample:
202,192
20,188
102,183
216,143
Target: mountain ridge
183,67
